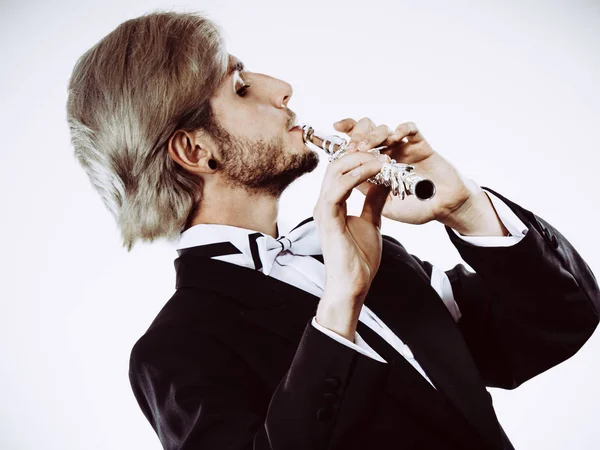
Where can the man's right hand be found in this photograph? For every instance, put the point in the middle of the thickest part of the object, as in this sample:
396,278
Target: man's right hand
351,245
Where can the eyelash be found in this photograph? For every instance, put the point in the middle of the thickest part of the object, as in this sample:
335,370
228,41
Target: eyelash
242,91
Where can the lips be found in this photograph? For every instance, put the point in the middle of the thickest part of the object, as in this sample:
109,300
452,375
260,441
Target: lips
296,128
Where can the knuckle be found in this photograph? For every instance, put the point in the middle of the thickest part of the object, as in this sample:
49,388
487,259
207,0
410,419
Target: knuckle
386,129
371,137
346,123
357,139
402,126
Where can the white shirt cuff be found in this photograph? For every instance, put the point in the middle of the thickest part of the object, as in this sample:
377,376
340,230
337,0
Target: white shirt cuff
441,284
509,219
360,346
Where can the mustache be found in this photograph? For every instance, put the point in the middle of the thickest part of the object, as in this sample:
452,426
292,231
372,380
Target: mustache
291,120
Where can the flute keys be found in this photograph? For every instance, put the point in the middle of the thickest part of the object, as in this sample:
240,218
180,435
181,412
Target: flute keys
400,177
395,183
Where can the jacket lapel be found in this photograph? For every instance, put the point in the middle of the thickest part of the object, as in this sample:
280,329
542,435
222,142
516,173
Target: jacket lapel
416,314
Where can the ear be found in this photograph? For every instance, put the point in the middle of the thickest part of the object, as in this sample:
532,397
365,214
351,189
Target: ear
191,150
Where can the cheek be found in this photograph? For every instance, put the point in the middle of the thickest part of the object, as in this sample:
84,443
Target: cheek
241,121
269,119
263,109
259,122
254,121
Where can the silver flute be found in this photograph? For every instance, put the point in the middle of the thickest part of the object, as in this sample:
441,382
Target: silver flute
400,177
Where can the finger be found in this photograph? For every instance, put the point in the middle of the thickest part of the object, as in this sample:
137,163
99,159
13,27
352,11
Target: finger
359,133
341,166
375,138
339,190
338,168
406,130
374,202
345,125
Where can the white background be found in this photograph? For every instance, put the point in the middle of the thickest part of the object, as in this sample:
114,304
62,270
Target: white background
507,91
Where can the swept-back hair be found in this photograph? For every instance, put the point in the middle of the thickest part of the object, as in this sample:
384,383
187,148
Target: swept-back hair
127,95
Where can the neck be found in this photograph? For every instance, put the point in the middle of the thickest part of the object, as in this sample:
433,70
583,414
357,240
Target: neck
239,208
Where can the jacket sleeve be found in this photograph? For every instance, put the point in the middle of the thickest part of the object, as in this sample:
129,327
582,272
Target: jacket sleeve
198,394
527,307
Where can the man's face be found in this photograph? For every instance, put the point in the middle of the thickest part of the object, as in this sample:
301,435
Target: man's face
256,149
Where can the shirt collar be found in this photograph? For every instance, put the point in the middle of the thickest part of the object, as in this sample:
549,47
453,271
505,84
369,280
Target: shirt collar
204,234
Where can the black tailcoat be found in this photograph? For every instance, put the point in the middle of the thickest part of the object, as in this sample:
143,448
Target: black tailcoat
232,361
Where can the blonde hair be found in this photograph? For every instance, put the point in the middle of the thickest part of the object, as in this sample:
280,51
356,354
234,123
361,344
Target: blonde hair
127,95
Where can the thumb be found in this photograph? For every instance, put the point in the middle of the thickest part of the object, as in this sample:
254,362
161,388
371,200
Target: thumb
375,200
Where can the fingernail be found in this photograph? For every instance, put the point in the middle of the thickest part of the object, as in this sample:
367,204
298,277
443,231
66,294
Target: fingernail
363,145
352,146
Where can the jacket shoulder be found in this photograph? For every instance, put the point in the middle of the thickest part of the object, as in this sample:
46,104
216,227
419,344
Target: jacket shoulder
194,309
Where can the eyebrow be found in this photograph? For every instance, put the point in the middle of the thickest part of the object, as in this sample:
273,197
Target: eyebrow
238,65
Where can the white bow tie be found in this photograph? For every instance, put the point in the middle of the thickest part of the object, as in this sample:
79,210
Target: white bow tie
302,240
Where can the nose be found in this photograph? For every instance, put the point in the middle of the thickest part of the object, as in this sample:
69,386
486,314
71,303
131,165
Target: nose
283,93
277,91
286,97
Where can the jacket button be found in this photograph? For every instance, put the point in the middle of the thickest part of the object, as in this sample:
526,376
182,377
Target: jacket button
330,397
550,238
333,383
324,413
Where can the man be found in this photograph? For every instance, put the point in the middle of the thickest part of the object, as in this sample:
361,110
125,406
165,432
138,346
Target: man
331,337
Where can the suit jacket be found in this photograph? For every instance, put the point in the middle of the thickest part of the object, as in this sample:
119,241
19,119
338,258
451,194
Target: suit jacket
232,361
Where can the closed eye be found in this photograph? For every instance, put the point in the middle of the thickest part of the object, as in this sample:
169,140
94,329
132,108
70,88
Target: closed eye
242,90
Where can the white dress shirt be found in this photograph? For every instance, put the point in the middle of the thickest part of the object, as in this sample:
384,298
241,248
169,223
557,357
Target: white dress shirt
307,273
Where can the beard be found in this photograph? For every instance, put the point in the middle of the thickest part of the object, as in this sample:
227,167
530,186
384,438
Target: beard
261,166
